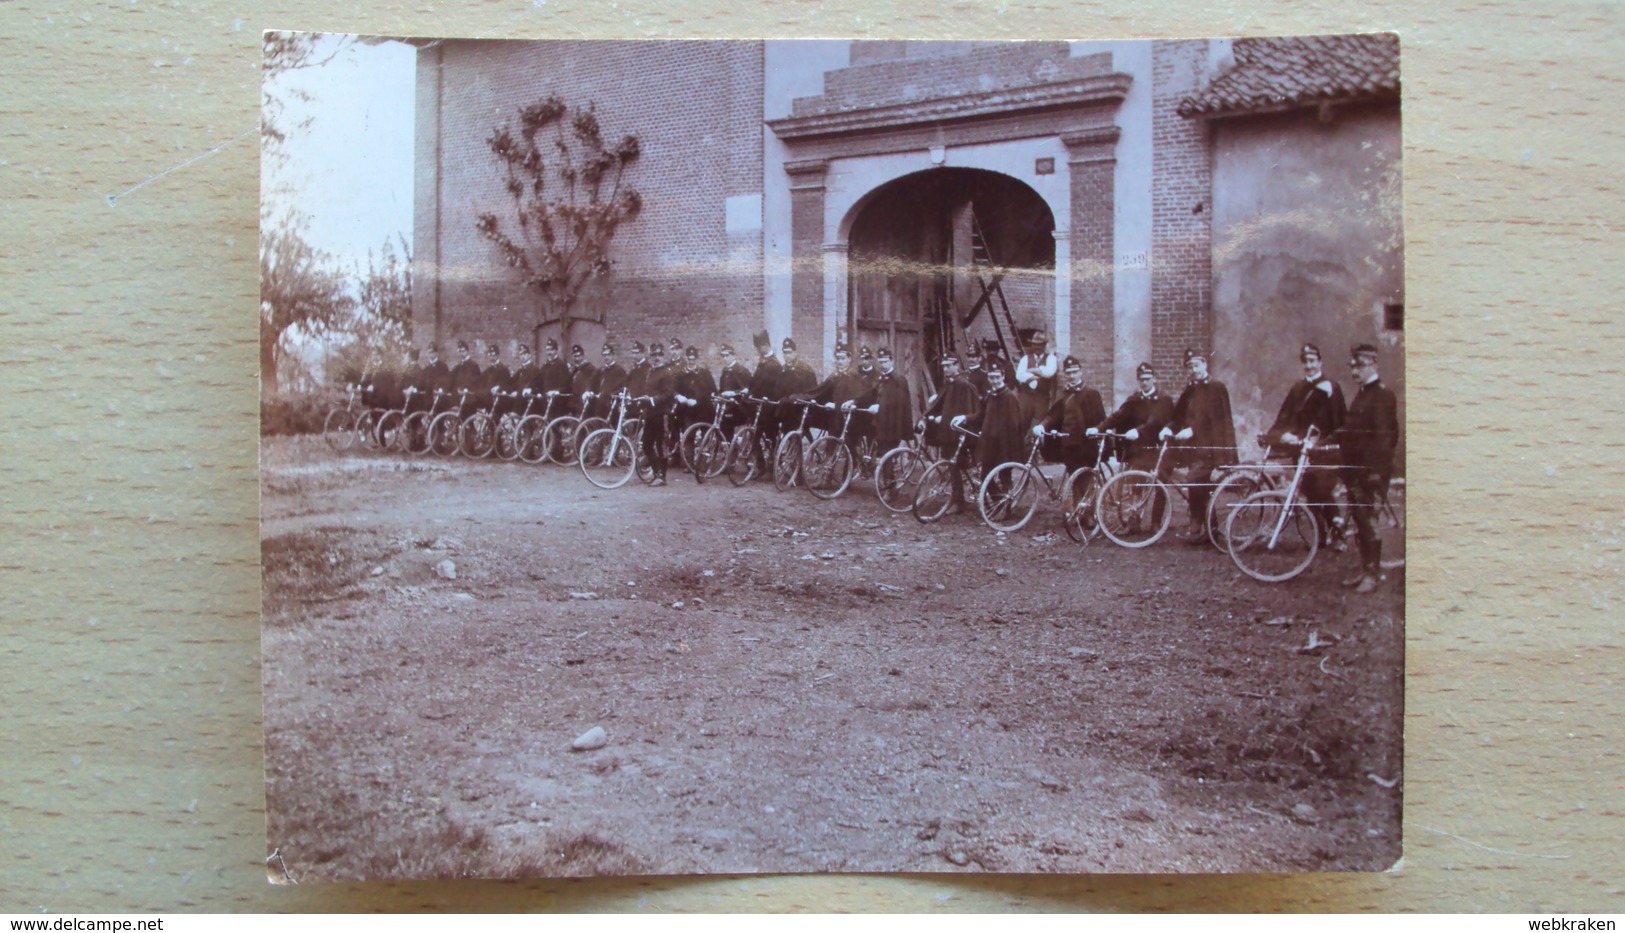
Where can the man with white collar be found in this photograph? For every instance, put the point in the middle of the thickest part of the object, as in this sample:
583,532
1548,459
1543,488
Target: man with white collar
1368,438
1314,403
1203,431
1139,419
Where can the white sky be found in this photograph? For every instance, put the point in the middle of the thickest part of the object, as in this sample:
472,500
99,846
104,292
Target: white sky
350,170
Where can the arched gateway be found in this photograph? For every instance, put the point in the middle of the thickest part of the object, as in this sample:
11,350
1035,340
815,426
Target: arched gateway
942,257
895,200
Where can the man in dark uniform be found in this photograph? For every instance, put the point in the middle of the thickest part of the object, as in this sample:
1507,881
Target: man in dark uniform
555,372
583,376
842,386
494,378
764,383
999,422
1140,417
637,378
659,393
1076,411
1035,377
524,381
866,367
1368,438
465,375
428,378
1203,432
610,380
891,403
974,373
957,401
695,386
1314,403
797,378
733,382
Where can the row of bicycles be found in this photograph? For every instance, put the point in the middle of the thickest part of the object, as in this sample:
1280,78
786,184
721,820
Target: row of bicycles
1257,513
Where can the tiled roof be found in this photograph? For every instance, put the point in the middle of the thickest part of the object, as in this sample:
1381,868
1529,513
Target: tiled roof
1282,73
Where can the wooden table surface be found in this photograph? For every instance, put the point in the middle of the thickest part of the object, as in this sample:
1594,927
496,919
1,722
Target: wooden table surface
130,761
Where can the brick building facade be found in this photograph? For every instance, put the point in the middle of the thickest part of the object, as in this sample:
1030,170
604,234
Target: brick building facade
832,190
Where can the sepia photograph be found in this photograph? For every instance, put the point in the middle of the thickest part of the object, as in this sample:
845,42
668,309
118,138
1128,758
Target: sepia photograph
797,456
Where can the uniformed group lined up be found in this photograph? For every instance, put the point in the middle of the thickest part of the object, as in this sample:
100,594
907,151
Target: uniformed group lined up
1005,406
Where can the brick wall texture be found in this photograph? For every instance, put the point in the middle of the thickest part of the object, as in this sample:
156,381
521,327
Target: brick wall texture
697,108
1181,212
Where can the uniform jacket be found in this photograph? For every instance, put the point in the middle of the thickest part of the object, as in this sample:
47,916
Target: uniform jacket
895,419
958,397
1144,413
1371,431
1309,405
1204,407
556,376
735,378
796,379
1076,411
764,383
1003,433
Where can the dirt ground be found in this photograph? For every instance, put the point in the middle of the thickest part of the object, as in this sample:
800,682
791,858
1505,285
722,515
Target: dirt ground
792,685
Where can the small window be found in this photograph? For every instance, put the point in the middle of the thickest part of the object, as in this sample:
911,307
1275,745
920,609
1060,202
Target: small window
1393,316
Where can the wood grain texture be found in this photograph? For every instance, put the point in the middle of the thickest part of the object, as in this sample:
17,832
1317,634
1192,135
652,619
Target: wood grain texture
128,540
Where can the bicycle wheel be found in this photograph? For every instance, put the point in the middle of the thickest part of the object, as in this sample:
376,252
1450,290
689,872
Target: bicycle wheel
507,437
587,426
687,441
1271,540
477,436
339,429
1009,496
826,469
363,433
443,432
934,494
416,433
388,432
559,440
528,439
787,462
607,459
741,466
710,456
1078,504
1226,496
1133,509
898,476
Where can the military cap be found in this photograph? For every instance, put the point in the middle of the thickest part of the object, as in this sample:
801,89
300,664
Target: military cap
637,346
552,344
462,345
1194,355
950,357
726,350
1308,350
1364,352
525,349
609,348
577,349
692,353
991,345
788,344
1144,369
884,353
492,349
676,344
864,354
1071,362
843,348
656,349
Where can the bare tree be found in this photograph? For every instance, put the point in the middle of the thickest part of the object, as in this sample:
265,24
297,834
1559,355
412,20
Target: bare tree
301,294
568,202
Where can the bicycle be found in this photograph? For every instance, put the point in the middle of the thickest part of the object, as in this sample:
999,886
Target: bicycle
609,456
704,446
746,449
338,428
1083,522
389,430
1272,535
1009,493
530,433
446,427
787,456
898,475
827,465
935,493
415,428
1134,506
